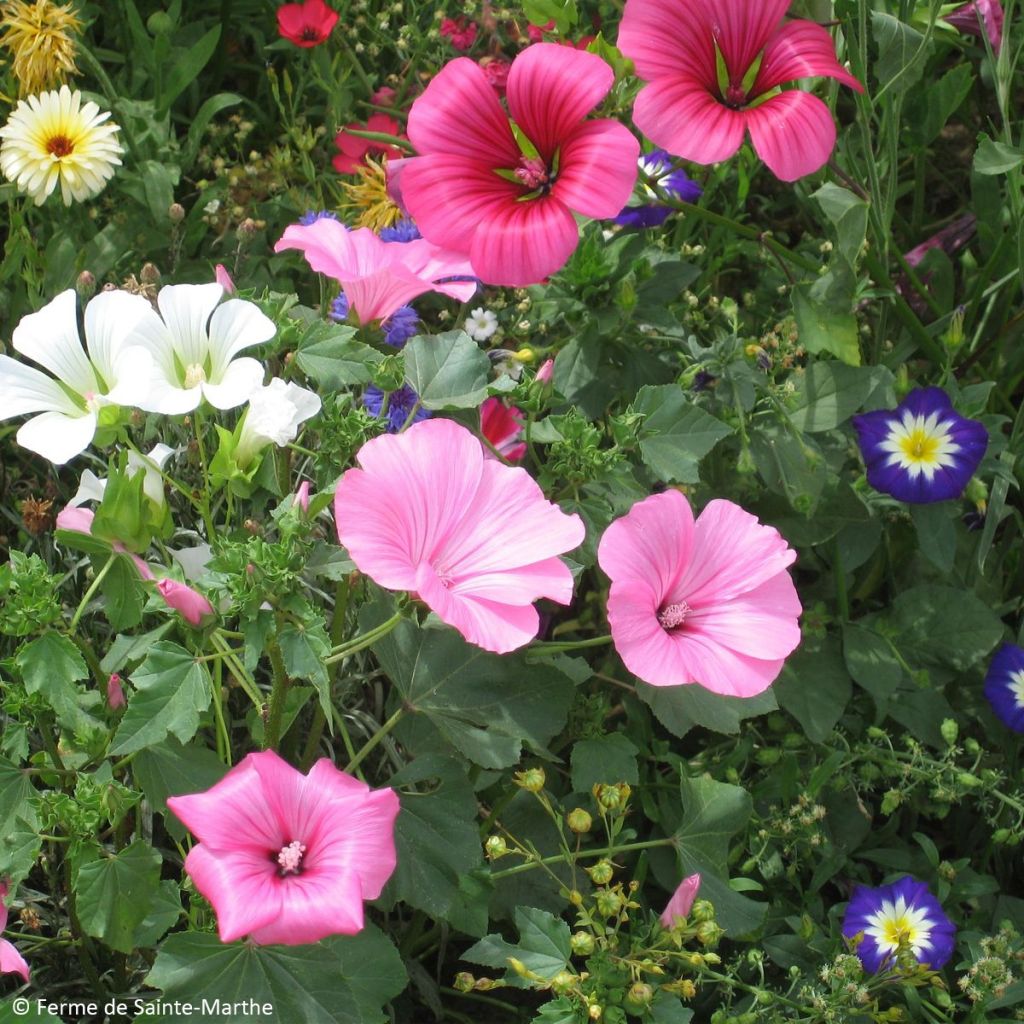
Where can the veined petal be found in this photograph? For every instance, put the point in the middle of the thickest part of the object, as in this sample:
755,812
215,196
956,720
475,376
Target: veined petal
793,133
331,249
521,585
26,389
432,263
186,309
50,338
668,40
58,437
314,905
236,325
11,961
800,49
110,321
134,372
597,168
742,29
241,378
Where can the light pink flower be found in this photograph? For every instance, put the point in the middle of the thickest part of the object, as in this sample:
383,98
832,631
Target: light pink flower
546,373
302,496
707,602
11,961
115,692
182,598
286,857
377,276
980,17
689,108
474,190
79,520
681,903
502,425
475,540
224,279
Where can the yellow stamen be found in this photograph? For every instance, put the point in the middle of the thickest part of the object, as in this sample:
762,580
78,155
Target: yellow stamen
369,195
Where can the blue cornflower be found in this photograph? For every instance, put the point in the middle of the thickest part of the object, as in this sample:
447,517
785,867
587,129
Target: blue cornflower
404,231
901,916
400,404
312,216
1004,686
923,450
400,326
340,307
652,214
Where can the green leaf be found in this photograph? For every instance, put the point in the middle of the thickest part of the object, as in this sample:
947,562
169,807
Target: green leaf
562,12
902,53
19,847
164,911
447,371
936,533
791,465
559,1011
848,214
608,759
543,948
113,895
668,281
668,1009
682,708
829,394
123,595
871,661
676,434
172,689
815,688
330,355
823,325
304,649
51,666
186,67
341,980
994,157
16,793
931,108
206,113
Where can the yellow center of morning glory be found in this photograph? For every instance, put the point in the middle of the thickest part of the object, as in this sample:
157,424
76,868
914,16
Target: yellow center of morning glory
920,444
897,926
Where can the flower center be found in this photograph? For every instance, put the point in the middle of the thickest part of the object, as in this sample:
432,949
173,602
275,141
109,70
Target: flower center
59,146
310,34
1017,688
194,375
92,402
735,96
533,173
920,445
673,615
289,859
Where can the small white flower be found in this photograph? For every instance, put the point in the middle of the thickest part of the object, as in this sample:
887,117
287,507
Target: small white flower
481,324
112,372
274,415
194,347
92,487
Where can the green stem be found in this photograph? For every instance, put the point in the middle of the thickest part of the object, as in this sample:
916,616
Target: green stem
272,733
367,639
557,647
88,596
607,851
390,140
372,742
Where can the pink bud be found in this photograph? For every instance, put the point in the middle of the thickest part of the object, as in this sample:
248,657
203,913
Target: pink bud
682,901
302,496
546,372
115,693
182,598
383,97
223,278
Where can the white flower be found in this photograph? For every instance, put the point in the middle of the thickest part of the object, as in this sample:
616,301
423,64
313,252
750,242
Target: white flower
481,324
273,417
112,373
92,487
53,138
194,348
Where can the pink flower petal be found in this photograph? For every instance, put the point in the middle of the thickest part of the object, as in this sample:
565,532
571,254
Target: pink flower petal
11,961
688,121
432,263
551,88
742,29
681,903
314,905
520,585
801,49
191,605
668,40
793,133
600,166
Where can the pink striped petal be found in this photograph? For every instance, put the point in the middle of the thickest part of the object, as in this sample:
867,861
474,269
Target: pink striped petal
800,49
551,88
11,961
314,905
793,133
597,168
743,29
459,114
668,40
520,585
688,121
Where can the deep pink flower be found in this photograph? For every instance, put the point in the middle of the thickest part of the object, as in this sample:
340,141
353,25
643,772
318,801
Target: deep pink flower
378,276
192,606
474,190
707,602
11,961
502,425
286,857
496,71
461,35
536,32
306,24
476,540
353,149
978,18
384,97
681,903
115,692
679,47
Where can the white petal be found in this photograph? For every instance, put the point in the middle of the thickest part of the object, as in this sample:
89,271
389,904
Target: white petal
90,488
186,309
151,334
134,374
58,438
110,319
240,380
25,389
50,338
236,325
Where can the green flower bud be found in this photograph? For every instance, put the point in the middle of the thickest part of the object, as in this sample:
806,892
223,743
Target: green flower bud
563,982
609,902
703,910
602,872
495,847
532,780
582,943
640,994
950,730
464,982
579,821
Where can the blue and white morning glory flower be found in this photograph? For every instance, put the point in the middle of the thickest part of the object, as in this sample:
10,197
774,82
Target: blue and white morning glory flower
646,210
923,450
1004,686
901,916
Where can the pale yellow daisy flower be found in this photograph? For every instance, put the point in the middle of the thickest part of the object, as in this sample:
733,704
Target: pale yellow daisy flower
56,138
38,34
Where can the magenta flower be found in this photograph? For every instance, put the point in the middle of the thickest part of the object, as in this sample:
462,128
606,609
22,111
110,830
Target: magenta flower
11,961
285,857
502,425
378,277
707,602
192,606
509,204
716,70
978,18
474,539
302,497
681,903
115,692
79,520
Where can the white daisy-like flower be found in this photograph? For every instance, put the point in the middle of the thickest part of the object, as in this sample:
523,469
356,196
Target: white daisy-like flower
56,138
112,372
481,324
274,415
194,343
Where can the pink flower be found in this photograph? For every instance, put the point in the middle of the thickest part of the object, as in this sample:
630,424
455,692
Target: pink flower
502,425
79,520
11,961
681,903
224,279
306,24
474,190
714,68
384,97
707,602
286,857
182,598
302,496
377,276
115,692
496,71
462,36
546,373
536,32
980,17
474,539
353,149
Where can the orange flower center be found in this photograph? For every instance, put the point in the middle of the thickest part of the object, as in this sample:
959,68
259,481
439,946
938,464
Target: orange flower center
60,146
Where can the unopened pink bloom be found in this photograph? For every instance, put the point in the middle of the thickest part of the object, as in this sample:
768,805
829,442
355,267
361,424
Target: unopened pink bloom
384,97
502,425
302,496
461,35
285,857
224,279
546,373
707,602
377,276
536,32
115,692
352,149
476,540
980,17
681,903
474,190
79,520
11,961
182,598
496,71
678,47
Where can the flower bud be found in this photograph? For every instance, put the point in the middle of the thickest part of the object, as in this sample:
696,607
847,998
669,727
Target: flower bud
640,994
703,910
223,278
115,692
546,372
563,982
609,903
464,982
150,273
495,847
532,780
579,821
582,943
708,933
575,897
602,872
176,213
595,1012
85,285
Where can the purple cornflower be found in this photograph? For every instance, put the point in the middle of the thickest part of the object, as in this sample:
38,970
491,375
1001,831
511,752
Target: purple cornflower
651,212
404,231
1004,686
400,326
340,307
312,216
400,404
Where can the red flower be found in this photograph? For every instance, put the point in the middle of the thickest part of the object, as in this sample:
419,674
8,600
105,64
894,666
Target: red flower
536,33
354,149
306,24
496,71
462,36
